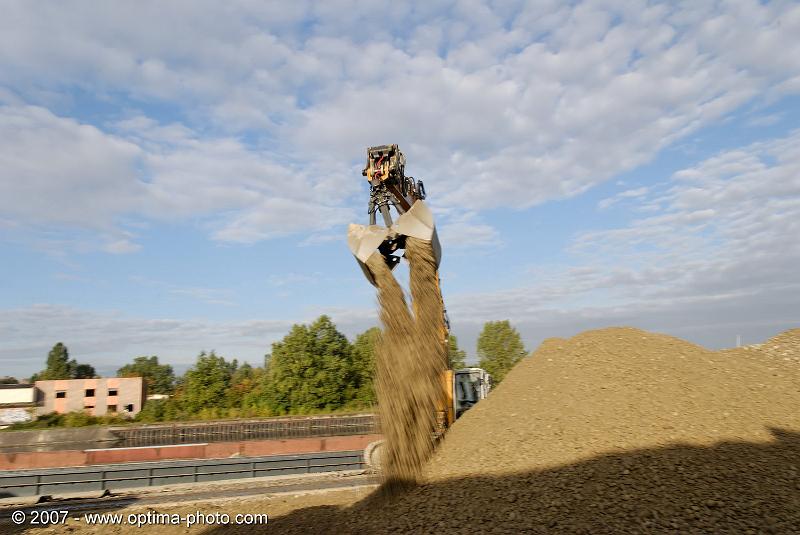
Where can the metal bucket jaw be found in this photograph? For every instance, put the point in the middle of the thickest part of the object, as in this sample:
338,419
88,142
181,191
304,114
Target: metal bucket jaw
366,240
418,223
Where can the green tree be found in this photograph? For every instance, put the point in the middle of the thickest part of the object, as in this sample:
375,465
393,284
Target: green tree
456,358
243,381
206,384
153,411
60,366
310,369
7,380
160,378
253,392
363,366
499,348
82,371
162,410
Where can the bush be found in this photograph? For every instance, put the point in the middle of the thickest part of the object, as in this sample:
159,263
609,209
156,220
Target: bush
70,419
79,419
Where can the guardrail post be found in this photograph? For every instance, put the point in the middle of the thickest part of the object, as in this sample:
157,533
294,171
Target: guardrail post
253,469
38,483
150,477
103,480
194,473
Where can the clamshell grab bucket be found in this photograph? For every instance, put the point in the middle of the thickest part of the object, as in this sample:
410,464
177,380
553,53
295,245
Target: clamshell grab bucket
366,240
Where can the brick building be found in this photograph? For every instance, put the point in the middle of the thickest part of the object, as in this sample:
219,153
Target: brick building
98,397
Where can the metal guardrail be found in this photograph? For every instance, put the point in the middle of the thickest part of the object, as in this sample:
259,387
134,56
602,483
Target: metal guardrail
282,428
121,476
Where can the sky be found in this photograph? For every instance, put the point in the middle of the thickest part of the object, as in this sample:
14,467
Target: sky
179,176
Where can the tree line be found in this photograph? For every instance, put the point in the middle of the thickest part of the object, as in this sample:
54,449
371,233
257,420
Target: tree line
313,369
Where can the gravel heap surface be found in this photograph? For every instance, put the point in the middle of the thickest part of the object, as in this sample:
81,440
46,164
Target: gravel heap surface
614,430
783,347
615,390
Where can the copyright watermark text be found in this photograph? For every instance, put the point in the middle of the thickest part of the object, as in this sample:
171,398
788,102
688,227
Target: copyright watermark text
149,518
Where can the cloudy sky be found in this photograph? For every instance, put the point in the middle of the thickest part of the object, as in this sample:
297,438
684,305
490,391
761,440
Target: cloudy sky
178,176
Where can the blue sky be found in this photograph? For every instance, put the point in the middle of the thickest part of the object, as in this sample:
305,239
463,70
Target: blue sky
179,178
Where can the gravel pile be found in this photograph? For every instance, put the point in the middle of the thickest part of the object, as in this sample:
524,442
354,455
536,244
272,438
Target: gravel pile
615,390
615,430
784,347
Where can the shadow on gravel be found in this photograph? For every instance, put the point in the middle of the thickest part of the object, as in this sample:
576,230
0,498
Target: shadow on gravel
731,487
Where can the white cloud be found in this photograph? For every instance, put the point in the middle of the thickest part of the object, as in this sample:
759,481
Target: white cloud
122,247
627,194
110,339
505,105
719,259
466,230
56,170
279,217
765,120
559,115
56,173
213,296
320,237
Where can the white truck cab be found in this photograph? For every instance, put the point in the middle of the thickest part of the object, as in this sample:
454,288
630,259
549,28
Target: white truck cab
469,387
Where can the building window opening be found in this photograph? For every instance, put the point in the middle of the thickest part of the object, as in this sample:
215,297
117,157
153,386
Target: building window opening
112,391
112,408
129,407
61,394
90,392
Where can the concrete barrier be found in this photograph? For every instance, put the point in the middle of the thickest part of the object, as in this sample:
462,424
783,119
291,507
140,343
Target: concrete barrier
41,459
49,439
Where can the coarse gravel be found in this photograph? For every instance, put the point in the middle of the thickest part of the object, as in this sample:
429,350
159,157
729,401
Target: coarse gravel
615,430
